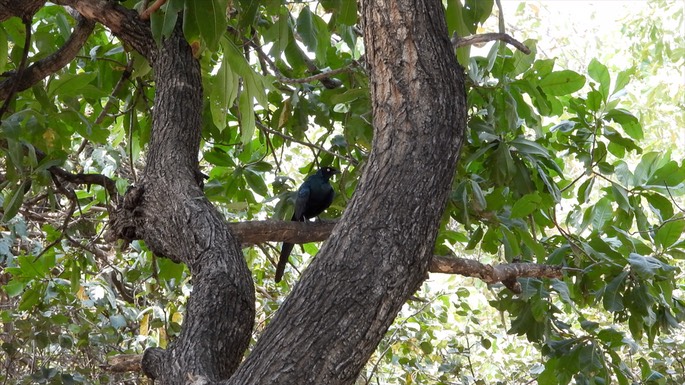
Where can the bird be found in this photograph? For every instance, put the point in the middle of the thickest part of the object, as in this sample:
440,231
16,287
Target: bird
313,197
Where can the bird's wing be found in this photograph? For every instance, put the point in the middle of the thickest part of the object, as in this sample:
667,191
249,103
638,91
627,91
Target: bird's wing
301,202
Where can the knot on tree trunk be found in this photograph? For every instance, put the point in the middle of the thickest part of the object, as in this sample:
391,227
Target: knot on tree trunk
122,223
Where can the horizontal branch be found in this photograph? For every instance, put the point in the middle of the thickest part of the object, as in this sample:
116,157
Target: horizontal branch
124,23
50,64
458,42
87,179
254,232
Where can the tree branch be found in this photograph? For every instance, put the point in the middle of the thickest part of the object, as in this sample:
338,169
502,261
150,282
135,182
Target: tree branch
458,42
21,68
50,64
254,232
123,22
266,129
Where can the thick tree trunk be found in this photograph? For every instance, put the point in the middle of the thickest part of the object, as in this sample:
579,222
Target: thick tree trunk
377,255
379,252
176,221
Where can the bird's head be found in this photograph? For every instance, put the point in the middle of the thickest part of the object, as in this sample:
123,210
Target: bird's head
328,172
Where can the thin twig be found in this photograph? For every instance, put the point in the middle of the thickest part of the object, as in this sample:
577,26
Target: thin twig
264,128
149,11
458,42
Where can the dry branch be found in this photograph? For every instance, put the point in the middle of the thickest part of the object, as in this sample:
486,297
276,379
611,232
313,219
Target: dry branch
458,42
254,232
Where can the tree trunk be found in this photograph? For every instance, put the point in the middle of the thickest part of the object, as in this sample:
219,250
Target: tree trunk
379,252
377,255
176,221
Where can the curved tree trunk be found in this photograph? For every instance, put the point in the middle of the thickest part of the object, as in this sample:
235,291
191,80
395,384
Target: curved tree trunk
377,255
379,252
176,221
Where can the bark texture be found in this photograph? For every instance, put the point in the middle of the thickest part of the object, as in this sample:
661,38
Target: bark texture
379,252
169,211
176,221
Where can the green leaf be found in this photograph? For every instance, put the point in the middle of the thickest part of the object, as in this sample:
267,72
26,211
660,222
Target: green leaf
170,271
4,47
30,298
612,298
600,74
670,232
70,84
601,213
620,196
628,121
476,12
14,200
644,266
256,182
622,80
526,205
14,287
347,13
223,92
529,147
476,236
307,30
247,118
522,61
209,17
563,82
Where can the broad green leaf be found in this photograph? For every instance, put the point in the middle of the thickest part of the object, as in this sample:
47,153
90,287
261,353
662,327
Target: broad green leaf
601,213
670,232
644,266
70,84
600,74
14,200
30,298
348,12
529,147
256,182
661,206
223,92
612,298
522,61
475,237
620,196
163,21
170,271
307,29
456,24
247,118
4,47
628,121
622,80
476,12
563,82
478,196
14,288
526,205
209,18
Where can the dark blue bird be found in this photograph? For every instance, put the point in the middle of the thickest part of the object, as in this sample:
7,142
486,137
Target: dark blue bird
313,197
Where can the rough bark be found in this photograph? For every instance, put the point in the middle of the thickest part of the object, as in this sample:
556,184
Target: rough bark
168,210
176,221
379,253
23,9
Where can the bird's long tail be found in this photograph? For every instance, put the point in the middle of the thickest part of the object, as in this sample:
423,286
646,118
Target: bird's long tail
283,260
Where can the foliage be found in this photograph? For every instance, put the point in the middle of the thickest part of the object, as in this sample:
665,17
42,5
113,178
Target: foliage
555,169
